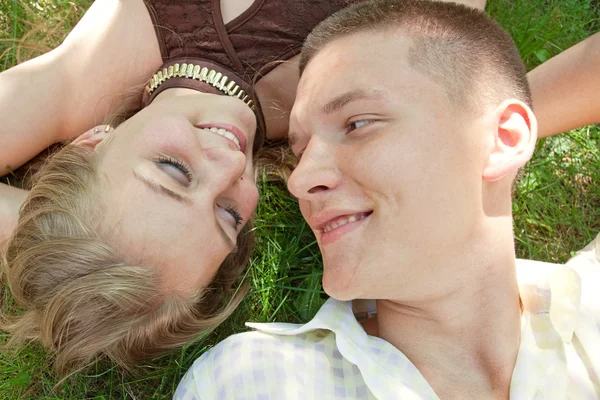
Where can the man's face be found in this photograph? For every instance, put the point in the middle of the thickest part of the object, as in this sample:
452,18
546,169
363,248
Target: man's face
390,173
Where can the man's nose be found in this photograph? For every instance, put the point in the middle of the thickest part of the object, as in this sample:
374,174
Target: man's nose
316,173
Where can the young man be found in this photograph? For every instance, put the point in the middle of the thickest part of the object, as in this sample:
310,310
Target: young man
411,122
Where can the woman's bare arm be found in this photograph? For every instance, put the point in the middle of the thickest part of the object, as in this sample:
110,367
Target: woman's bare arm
56,96
566,88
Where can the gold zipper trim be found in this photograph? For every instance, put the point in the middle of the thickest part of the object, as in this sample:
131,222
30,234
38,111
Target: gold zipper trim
202,74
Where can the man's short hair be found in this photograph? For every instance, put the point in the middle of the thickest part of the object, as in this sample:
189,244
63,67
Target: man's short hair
462,49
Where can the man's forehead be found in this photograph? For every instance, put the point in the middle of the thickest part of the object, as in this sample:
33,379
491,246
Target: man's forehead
361,65
357,61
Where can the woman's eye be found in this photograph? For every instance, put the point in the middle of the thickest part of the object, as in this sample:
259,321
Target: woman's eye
176,170
357,124
235,213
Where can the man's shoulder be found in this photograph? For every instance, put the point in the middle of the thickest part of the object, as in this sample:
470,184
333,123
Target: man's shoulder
581,272
256,358
255,350
243,345
586,263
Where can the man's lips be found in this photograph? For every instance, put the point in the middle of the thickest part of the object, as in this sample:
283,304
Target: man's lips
335,218
335,228
343,220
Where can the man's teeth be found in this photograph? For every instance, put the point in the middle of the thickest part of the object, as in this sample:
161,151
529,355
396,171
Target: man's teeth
225,133
343,221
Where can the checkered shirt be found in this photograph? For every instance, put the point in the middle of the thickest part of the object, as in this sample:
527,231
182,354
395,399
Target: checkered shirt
332,357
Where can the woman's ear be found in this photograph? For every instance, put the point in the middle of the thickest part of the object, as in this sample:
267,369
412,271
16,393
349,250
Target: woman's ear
514,141
92,137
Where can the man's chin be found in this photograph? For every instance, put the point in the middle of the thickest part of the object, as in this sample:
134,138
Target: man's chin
340,286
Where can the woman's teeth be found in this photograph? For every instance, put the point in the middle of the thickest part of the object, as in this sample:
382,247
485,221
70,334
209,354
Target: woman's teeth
341,221
225,133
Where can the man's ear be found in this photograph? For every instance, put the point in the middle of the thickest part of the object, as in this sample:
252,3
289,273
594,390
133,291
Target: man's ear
514,141
92,137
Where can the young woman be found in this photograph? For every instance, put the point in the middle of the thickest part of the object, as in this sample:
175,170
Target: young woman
132,240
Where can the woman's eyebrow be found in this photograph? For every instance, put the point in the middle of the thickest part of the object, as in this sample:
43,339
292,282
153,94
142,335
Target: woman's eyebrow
226,237
158,188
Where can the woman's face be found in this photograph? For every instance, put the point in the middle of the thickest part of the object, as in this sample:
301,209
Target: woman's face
178,184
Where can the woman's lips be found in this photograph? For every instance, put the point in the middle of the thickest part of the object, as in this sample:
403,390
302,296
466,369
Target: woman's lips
237,132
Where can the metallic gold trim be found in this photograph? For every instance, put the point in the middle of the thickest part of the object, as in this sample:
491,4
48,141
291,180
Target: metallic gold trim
203,74
211,76
222,83
217,79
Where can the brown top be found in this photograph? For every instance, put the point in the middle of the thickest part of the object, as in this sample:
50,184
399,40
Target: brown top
245,49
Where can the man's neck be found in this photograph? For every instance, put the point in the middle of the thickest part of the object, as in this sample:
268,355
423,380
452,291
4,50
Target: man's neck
464,342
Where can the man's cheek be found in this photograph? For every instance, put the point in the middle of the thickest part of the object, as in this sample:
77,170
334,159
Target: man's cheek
304,208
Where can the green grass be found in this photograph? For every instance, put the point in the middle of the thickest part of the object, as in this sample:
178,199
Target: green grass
557,206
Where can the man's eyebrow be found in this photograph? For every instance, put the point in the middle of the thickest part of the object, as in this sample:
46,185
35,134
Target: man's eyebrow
158,188
340,102
346,98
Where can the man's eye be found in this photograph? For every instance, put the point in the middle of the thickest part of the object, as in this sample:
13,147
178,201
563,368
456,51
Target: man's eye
357,124
176,170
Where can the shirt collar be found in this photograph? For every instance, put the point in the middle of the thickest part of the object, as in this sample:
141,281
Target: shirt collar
333,315
551,289
545,289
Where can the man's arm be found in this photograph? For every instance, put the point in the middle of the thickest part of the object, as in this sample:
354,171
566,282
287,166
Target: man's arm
62,93
11,199
566,88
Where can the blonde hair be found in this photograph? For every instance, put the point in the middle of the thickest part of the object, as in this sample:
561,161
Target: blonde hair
275,162
80,299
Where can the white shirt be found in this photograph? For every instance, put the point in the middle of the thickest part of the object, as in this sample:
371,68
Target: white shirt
332,357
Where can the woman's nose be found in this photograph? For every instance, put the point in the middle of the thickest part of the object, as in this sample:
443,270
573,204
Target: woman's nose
224,167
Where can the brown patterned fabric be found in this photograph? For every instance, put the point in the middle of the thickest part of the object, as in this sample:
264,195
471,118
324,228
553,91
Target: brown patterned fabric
245,49
270,30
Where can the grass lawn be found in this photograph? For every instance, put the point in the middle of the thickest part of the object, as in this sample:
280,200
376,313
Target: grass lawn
557,205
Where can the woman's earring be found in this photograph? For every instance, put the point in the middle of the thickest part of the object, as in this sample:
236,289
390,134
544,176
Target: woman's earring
107,129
